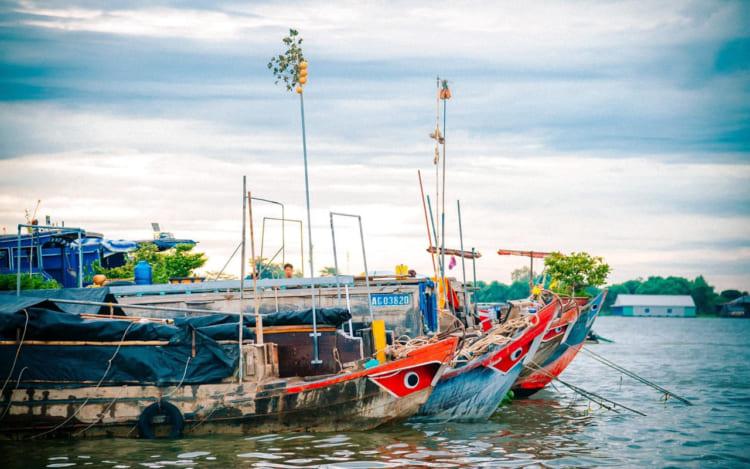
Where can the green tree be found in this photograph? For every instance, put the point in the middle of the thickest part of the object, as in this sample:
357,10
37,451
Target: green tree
702,293
571,274
664,286
703,296
520,275
631,286
494,292
328,271
729,295
615,290
181,262
175,262
518,290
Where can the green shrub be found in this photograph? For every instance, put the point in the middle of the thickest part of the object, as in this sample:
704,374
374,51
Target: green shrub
8,282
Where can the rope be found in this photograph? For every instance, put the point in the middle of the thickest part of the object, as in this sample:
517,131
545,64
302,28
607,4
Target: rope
337,359
591,396
15,359
497,336
617,367
179,385
101,414
403,346
83,404
10,397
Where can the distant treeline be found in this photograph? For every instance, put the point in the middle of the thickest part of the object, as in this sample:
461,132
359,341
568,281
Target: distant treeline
705,297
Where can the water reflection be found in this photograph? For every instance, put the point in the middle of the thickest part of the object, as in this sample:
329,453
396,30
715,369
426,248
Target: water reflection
530,433
554,429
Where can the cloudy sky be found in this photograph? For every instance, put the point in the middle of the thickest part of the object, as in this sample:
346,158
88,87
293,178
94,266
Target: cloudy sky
618,128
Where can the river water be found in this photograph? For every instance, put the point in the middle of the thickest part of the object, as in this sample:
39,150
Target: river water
704,360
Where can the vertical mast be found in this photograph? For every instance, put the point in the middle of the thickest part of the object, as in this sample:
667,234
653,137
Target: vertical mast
242,276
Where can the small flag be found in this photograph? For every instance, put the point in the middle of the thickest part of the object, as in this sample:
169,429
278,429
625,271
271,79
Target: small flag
452,263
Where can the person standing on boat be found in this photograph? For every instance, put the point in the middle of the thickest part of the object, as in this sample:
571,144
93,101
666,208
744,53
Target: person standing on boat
288,270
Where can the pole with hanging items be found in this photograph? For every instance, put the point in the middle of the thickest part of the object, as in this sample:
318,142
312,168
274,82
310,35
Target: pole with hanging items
291,68
444,94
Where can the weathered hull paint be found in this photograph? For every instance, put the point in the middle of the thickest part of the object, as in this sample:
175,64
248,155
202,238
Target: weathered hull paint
470,396
474,391
545,372
555,336
357,404
352,401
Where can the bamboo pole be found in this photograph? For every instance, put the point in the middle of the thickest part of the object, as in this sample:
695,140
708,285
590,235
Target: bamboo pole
256,301
242,279
427,223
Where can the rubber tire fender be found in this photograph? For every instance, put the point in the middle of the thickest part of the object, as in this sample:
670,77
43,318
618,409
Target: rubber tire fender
172,413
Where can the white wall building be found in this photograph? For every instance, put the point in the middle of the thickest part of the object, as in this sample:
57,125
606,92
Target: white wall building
654,305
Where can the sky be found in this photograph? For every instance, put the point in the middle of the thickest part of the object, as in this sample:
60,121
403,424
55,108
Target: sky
618,128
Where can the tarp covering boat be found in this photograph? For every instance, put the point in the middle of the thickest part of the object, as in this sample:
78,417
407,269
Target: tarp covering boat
328,316
98,295
43,344
42,347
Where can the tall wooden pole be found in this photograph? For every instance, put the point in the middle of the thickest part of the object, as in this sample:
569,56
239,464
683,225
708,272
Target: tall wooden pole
256,300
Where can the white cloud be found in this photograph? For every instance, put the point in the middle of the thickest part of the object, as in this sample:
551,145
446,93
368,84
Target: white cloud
488,30
530,82
543,200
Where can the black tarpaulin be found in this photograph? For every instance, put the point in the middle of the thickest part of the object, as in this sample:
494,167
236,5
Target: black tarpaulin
44,345
113,351
324,316
98,295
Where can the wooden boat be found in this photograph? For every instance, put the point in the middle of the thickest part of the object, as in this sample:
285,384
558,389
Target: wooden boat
543,373
472,389
567,311
75,370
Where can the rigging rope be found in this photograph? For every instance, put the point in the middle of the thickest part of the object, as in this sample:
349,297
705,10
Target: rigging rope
619,368
591,396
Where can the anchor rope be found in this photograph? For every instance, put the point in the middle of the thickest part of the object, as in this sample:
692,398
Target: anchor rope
591,396
611,364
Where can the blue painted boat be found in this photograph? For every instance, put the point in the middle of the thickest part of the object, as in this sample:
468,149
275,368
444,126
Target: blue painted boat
473,390
65,254
544,372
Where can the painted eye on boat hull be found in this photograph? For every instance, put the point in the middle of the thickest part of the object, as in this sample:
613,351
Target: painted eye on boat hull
411,380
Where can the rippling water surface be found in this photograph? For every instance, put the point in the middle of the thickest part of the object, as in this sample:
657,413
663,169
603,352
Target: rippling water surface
703,360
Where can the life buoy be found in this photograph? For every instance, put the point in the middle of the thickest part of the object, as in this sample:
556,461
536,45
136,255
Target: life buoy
172,418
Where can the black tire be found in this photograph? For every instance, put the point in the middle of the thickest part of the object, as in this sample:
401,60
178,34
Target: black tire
172,415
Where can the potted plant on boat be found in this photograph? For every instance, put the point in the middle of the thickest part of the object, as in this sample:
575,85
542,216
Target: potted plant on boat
571,274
